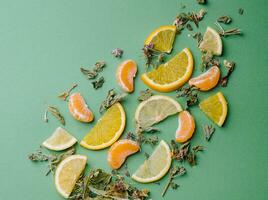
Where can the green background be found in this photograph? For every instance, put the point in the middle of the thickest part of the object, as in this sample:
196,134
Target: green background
44,43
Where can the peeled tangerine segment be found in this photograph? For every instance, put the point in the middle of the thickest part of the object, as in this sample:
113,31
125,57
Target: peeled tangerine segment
125,74
119,152
79,109
186,127
207,80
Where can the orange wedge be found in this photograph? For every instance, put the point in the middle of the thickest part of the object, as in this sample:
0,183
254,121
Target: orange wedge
186,127
125,74
120,150
79,109
207,80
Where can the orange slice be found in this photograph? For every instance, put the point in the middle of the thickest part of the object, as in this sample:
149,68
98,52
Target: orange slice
207,80
79,109
125,74
120,150
186,127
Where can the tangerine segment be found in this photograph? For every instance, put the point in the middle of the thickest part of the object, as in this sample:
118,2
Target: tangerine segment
79,109
125,74
207,80
120,150
186,127
172,74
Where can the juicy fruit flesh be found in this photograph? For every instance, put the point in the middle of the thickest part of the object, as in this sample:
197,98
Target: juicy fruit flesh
111,123
171,71
79,109
155,109
69,174
186,127
211,42
215,107
207,80
125,75
156,166
59,138
162,38
120,150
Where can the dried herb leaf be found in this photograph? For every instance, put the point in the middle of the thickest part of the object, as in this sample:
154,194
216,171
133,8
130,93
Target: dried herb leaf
90,74
117,52
145,94
198,37
190,93
45,116
189,27
64,95
152,140
111,99
230,65
208,131
53,159
98,83
56,113
224,19
201,1
232,31
208,60
241,11
173,173
152,57
99,66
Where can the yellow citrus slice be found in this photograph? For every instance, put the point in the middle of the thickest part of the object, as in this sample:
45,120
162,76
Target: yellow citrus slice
215,107
59,140
68,172
155,109
211,42
156,166
107,130
171,75
162,38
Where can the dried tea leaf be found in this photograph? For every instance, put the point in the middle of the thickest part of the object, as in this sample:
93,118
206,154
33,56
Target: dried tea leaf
56,113
145,94
64,95
230,65
117,52
208,131
98,83
201,1
224,19
190,93
99,66
90,74
241,11
232,31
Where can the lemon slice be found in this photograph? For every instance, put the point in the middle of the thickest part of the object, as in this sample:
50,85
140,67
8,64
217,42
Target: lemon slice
107,130
162,38
68,172
156,166
211,42
171,75
155,109
215,107
59,140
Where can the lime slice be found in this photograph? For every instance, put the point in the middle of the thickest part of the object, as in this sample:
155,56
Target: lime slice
211,42
156,166
59,140
68,172
155,109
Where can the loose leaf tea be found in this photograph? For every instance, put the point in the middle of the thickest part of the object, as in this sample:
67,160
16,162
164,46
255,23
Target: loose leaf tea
241,11
64,95
98,83
190,93
224,19
173,173
111,99
208,60
232,31
117,52
90,74
145,94
201,1
230,65
52,159
208,131
56,113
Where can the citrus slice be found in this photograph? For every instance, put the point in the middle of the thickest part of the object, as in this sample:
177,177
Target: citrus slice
107,130
155,109
79,109
186,127
171,75
215,107
125,74
211,42
59,140
119,152
207,80
68,172
156,166
162,38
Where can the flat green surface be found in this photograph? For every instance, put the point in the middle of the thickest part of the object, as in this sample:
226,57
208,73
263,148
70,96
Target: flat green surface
42,46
